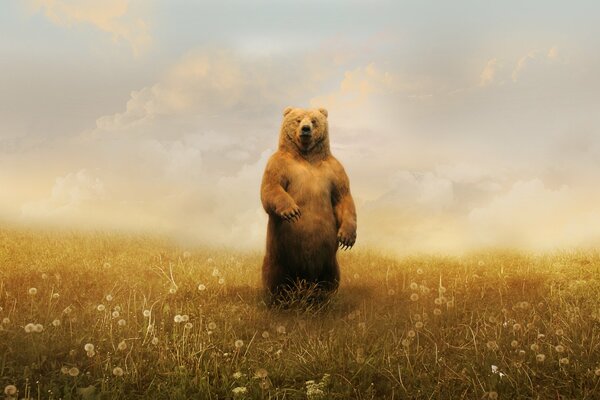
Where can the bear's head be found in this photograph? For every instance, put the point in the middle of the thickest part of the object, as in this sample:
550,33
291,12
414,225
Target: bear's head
305,130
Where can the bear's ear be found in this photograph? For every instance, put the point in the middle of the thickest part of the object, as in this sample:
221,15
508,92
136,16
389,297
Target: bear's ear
287,110
324,112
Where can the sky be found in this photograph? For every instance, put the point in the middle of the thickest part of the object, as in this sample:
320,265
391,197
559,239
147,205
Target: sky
460,124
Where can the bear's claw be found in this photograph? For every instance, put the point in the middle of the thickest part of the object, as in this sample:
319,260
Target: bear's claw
291,214
345,243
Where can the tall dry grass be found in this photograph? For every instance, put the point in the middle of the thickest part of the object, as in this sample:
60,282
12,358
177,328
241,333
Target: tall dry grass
109,316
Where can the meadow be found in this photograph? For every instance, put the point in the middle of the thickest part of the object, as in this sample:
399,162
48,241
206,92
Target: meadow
115,316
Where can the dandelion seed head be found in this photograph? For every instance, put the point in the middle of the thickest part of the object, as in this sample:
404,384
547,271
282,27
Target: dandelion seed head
237,375
115,314
411,333
201,287
185,318
122,322
88,347
239,344
534,347
10,390
155,340
438,301
55,296
5,321
122,345
101,307
514,344
32,291
239,391
281,329
560,348
419,271
188,325
146,313
559,332
261,373
540,357
414,297
517,327
492,345
414,286
493,395
109,297
177,318
265,335
212,326
117,371
437,311
391,292
172,290
73,371
564,361
419,324
221,281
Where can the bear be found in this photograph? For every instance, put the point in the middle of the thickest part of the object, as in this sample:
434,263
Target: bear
306,194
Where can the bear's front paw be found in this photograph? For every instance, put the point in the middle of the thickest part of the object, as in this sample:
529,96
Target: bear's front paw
290,213
346,238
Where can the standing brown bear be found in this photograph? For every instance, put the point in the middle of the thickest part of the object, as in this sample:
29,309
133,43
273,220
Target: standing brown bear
306,193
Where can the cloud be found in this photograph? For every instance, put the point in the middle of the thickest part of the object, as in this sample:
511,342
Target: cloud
488,75
111,16
531,215
69,195
535,57
553,53
186,154
431,168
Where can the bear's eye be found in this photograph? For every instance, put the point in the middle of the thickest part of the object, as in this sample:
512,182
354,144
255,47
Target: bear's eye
298,120
314,121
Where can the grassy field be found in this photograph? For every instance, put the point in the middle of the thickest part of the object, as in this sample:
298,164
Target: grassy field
106,316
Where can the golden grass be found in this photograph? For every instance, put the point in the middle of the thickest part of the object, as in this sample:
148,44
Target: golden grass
488,325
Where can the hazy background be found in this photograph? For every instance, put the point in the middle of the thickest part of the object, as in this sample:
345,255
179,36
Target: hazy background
460,124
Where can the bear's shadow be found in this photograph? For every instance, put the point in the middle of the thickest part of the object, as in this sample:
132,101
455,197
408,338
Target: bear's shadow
337,305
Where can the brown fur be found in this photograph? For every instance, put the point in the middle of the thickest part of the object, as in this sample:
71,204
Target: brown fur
306,193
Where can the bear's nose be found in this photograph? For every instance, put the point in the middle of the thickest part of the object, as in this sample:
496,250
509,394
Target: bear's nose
305,130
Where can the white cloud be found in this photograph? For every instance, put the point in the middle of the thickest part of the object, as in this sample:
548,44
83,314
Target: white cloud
533,216
111,16
538,58
488,75
70,193
553,53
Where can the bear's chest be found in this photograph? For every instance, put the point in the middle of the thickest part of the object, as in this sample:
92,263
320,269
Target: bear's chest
307,181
